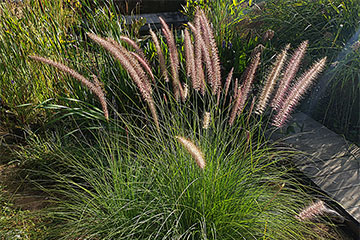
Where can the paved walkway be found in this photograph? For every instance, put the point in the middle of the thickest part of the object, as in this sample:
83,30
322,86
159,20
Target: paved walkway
332,163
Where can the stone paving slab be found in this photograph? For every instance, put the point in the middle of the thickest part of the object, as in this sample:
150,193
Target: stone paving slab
331,166
326,158
319,146
354,211
339,180
349,197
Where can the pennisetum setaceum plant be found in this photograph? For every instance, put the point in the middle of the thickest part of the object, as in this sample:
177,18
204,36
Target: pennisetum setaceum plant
198,166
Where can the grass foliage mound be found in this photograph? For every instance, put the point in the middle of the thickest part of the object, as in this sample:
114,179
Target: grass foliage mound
188,159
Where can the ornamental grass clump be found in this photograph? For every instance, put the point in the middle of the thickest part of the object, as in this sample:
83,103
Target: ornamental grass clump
170,188
205,172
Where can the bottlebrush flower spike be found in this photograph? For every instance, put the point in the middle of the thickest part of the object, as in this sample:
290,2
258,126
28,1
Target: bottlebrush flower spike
289,74
297,92
186,91
206,120
198,53
212,49
193,150
243,92
174,60
133,68
311,211
238,101
145,65
204,53
93,87
190,60
227,82
317,209
271,81
236,88
128,62
250,77
139,55
134,45
162,62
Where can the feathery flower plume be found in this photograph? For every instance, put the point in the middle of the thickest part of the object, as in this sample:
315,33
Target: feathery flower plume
193,150
252,106
206,120
236,88
93,87
134,45
201,71
145,89
200,82
145,65
187,46
190,60
296,93
243,92
129,61
289,74
271,81
315,210
238,101
139,56
250,77
227,82
209,39
203,27
208,66
205,55
96,82
160,56
186,90
312,211
174,59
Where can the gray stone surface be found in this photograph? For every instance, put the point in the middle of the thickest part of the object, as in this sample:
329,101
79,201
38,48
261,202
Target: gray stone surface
349,197
326,158
339,180
331,166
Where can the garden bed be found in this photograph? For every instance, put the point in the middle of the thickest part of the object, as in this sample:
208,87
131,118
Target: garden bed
152,137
